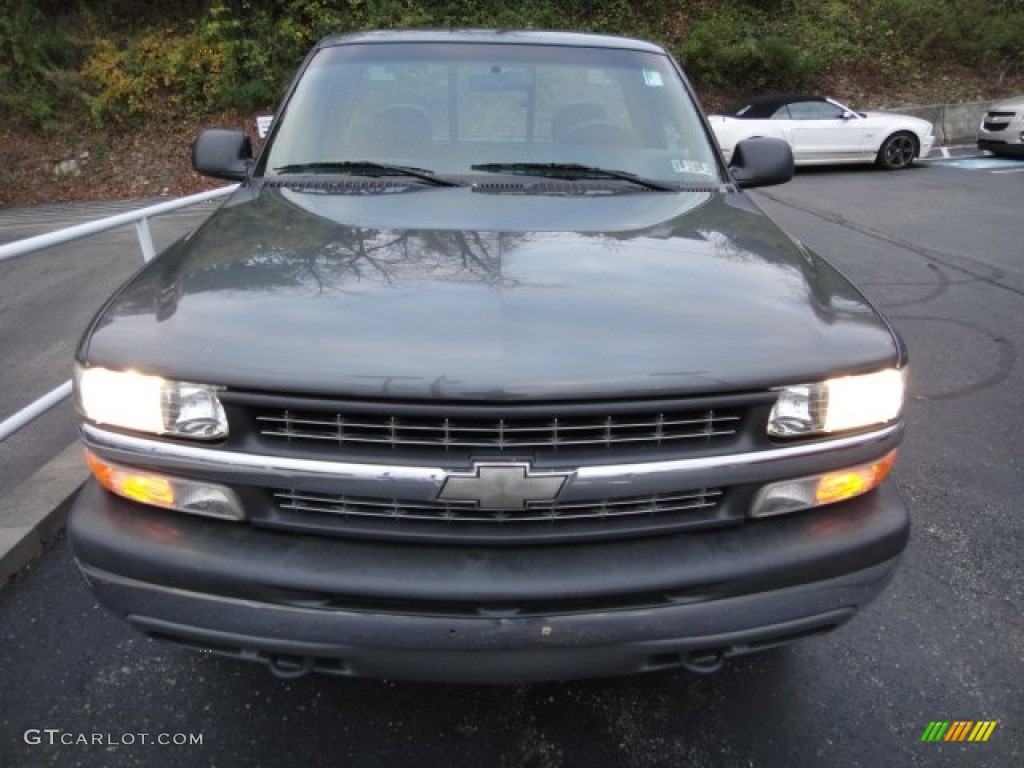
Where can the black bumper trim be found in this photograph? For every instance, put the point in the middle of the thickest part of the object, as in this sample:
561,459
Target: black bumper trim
1002,147
492,650
234,560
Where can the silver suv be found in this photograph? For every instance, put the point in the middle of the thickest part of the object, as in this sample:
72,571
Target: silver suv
1002,129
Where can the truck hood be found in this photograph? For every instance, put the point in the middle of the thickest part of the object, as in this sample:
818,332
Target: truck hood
404,294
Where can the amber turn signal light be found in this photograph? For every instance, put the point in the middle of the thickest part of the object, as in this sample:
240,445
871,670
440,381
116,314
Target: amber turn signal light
193,496
818,490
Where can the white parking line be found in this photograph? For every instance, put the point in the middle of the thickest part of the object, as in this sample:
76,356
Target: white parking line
1011,170
949,151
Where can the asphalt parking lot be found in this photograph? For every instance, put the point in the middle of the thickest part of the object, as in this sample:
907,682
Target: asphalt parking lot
938,247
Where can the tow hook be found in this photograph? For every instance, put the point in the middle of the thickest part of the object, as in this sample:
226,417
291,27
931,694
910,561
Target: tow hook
290,668
706,663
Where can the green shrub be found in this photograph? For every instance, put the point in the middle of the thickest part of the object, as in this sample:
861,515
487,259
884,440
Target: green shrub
36,58
731,51
125,60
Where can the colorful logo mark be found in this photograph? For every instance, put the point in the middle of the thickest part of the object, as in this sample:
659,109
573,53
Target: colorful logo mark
959,730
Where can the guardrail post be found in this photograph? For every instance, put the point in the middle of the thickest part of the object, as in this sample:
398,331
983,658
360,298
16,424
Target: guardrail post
145,239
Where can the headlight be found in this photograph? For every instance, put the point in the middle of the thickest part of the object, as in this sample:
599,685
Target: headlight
149,403
837,404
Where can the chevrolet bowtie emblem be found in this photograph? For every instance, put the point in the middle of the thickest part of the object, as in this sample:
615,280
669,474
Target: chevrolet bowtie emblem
502,486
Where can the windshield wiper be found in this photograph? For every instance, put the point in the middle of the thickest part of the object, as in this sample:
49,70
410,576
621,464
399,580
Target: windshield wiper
367,168
572,171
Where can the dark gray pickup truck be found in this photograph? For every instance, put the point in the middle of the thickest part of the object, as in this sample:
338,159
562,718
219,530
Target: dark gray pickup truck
489,370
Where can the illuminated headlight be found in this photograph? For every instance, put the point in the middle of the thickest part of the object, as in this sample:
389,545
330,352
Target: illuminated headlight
837,404
149,403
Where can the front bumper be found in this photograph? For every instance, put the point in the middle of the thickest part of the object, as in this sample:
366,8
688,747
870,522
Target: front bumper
1002,132
382,609
1001,146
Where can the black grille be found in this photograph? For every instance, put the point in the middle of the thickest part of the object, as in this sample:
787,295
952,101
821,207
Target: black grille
464,523
696,503
997,121
465,431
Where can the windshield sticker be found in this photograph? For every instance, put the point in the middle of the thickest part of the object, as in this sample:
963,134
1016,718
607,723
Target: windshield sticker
652,78
263,125
691,166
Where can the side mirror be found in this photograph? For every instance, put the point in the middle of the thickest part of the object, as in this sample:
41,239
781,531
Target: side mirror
848,115
222,154
761,162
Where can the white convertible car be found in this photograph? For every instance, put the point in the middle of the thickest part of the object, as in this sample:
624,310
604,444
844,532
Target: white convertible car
822,131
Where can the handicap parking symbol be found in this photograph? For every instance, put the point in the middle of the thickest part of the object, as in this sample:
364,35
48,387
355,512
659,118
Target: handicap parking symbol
984,163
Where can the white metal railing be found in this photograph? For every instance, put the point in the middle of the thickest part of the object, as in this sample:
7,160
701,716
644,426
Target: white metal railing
140,218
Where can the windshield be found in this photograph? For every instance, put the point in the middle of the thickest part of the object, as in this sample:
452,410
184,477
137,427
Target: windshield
447,107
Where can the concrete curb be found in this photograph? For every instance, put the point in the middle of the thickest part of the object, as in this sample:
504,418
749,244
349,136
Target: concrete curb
33,514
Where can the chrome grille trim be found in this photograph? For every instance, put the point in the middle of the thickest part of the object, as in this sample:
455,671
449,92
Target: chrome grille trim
425,482
398,510
502,433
